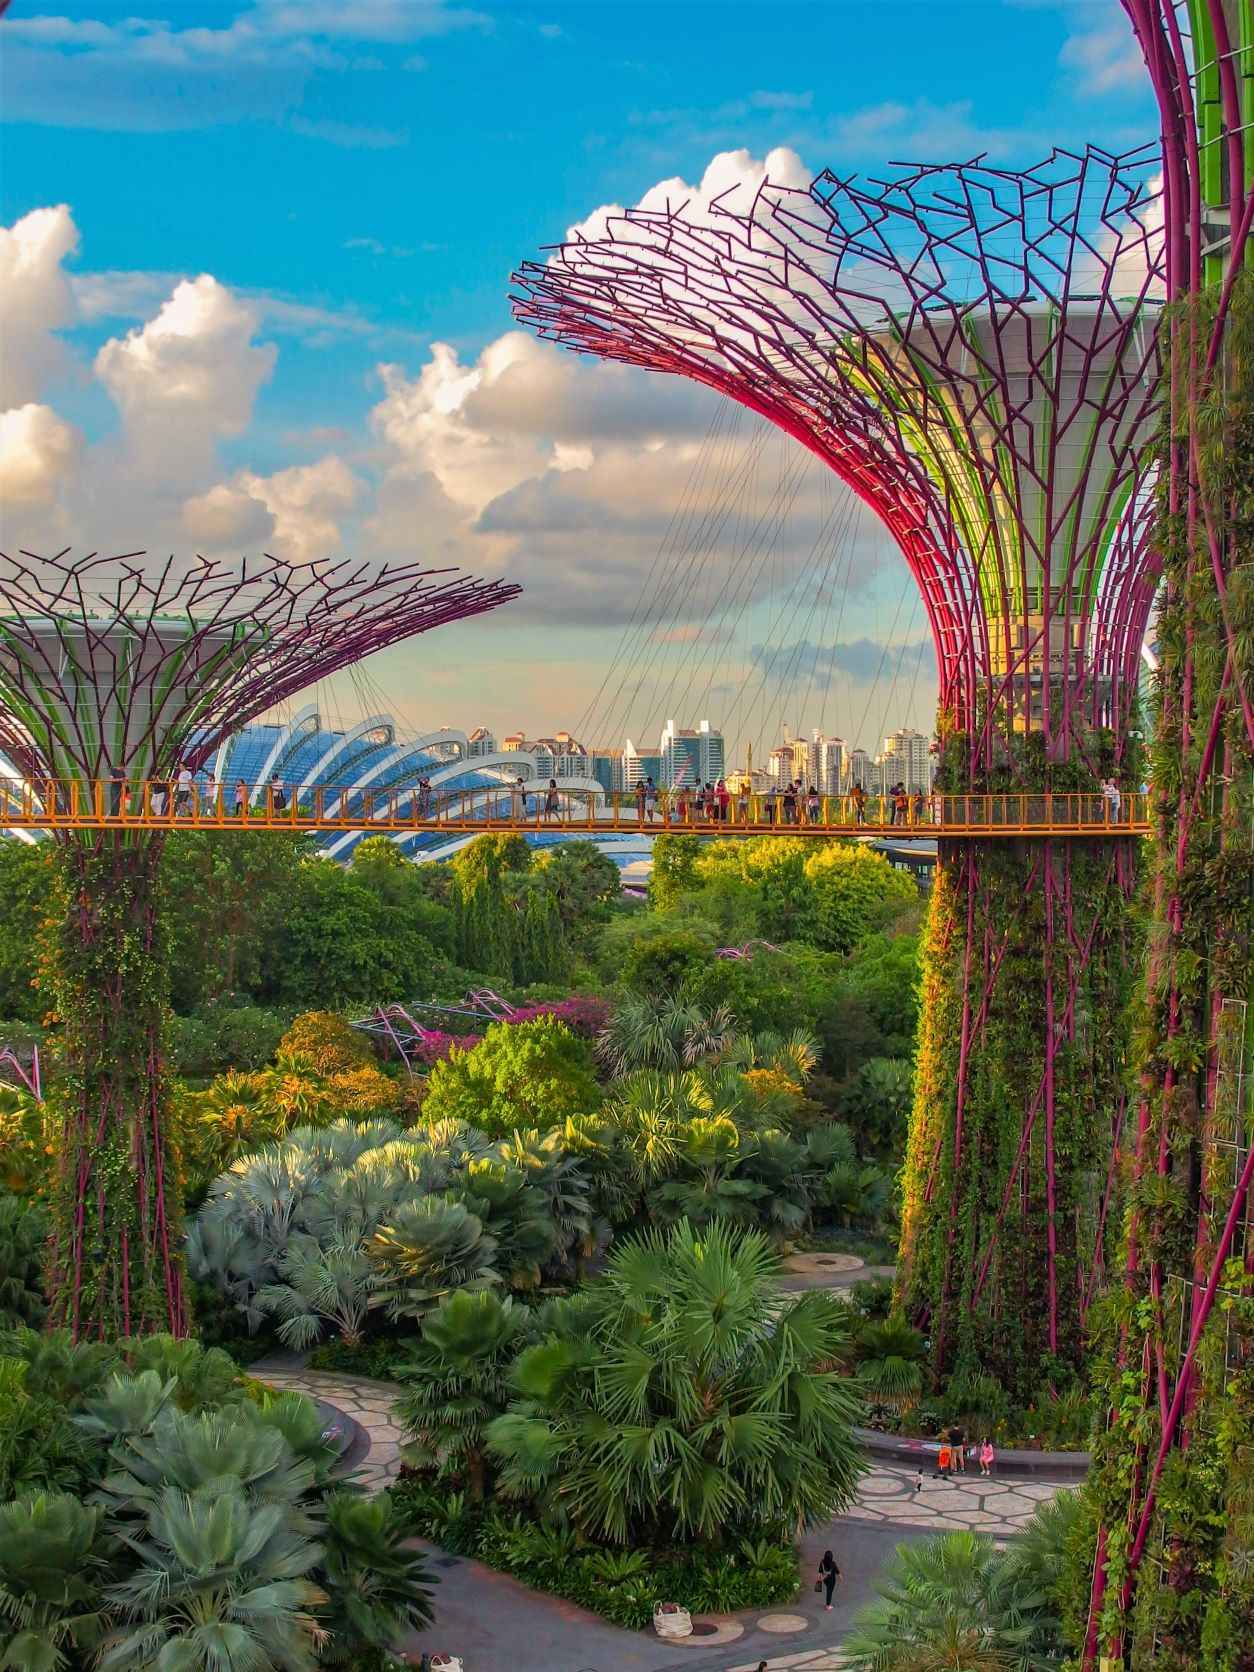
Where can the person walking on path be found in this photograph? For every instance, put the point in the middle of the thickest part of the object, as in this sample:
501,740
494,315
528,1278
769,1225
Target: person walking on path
987,1456
944,1458
829,1573
918,1480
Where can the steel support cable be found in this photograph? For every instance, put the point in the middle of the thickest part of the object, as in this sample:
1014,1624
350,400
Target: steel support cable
791,482
866,712
737,513
711,520
766,538
765,667
743,555
718,421
702,529
837,544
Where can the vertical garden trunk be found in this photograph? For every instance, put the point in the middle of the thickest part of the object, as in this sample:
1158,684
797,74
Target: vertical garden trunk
1018,1095
115,1262
1173,1582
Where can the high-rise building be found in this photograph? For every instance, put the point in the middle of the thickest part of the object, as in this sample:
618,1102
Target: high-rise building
907,759
862,770
607,769
481,742
637,766
691,757
827,764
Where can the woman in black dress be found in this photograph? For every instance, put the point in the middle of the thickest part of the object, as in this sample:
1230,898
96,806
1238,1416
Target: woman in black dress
829,1573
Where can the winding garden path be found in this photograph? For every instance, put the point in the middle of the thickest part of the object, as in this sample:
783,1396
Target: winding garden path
489,1618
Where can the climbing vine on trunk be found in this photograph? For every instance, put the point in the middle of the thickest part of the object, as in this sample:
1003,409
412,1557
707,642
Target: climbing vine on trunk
115,1266
1173,1583
1020,1087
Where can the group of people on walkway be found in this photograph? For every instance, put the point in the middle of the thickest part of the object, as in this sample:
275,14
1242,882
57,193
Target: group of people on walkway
953,1454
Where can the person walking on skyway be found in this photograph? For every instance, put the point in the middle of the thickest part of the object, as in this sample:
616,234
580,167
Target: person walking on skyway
858,797
550,800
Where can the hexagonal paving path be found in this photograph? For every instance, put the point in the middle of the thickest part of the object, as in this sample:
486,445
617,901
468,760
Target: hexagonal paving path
886,1494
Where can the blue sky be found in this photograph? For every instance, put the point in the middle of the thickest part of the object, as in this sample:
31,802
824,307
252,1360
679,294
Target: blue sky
350,182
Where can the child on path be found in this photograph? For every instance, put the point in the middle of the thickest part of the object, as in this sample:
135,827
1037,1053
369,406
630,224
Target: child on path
944,1458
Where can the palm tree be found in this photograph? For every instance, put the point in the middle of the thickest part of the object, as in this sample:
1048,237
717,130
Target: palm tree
318,1287
430,1248
219,1580
378,1586
952,1603
673,1400
51,1564
890,1361
458,1382
666,1033
23,1233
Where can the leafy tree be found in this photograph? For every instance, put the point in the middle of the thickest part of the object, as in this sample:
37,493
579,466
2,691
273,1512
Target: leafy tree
485,927
229,895
27,891
671,1400
674,870
665,958
539,943
872,1004
339,944
402,887
854,890
528,1074
954,1601
457,1382
326,1041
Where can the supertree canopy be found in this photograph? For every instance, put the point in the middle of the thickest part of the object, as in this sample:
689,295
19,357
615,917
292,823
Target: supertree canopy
974,351
117,668
1173,1580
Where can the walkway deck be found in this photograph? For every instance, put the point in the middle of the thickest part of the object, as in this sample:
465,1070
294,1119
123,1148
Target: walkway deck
117,804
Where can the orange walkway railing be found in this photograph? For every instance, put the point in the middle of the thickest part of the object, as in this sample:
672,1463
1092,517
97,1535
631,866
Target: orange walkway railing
118,803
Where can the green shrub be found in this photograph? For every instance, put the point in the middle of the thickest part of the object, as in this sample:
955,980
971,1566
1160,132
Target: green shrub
23,1230
622,1585
223,1036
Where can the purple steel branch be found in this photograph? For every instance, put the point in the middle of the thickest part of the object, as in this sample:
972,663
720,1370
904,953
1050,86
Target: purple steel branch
200,649
866,320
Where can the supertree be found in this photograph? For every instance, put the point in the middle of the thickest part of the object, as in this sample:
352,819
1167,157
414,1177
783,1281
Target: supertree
119,670
974,352
1173,1580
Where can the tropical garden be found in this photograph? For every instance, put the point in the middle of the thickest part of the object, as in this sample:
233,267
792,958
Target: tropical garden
557,1226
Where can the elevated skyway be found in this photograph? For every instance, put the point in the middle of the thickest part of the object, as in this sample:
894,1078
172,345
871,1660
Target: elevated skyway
119,804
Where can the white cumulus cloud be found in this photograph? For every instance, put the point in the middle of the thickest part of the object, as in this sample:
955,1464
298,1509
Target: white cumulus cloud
37,451
35,301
